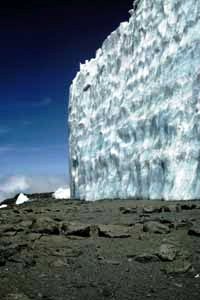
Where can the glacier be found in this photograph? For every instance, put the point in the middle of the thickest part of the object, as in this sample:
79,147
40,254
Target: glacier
134,110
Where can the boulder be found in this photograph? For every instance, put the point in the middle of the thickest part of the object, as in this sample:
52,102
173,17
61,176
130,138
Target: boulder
113,231
82,230
128,210
155,227
188,206
167,252
45,225
151,210
194,230
146,258
7,230
177,267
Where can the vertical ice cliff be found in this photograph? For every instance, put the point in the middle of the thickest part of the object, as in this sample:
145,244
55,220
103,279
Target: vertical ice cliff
134,111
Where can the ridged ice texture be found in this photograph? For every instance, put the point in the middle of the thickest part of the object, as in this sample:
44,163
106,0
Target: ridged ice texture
134,110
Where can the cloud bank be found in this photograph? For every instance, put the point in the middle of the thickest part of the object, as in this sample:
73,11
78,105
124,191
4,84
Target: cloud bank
12,185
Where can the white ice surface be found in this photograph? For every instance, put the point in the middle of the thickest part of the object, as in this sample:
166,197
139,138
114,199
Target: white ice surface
22,199
3,206
62,193
134,111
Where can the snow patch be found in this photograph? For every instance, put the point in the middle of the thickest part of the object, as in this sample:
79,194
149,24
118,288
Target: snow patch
3,206
62,193
22,199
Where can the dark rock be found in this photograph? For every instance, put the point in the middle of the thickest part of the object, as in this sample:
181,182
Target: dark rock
24,226
110,262
155,227
7,251
59,263
194,230
177,266
82,230
151,210
34,236
167,252
128,210
66,252
106,292
2,260
146,258
45,225
6,230
183,223
16,297
87,87
113,231
26,260
171,208
188,206
167,221
28,210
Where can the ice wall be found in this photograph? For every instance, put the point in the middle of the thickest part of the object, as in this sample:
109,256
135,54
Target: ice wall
134,111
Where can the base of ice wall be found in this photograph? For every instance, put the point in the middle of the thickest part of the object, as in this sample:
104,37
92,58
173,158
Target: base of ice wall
134,111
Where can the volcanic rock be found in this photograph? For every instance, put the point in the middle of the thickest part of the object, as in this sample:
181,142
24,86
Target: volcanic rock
82,230
167,252
156,227
194,230
113,231
45,225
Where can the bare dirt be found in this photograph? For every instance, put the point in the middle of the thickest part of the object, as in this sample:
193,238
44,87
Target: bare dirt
120,249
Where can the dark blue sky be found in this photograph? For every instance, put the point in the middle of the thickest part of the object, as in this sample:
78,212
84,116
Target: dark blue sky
42,44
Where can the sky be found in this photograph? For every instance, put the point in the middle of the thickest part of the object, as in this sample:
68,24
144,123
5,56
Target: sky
42,46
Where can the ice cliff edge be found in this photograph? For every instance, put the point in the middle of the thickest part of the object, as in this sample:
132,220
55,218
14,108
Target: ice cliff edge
134,110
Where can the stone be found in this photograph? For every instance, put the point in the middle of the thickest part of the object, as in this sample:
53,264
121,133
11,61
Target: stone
59,263
151,210
45,225
194,230
110,262
169,221
171,208
82,230
155,227
7,251
128,210
167,252
2,260
177,267
7,229
106,292
188,206
66,252
146,258
17,297
26,224
113,231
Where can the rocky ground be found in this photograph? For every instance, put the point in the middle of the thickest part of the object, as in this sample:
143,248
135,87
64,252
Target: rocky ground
64,250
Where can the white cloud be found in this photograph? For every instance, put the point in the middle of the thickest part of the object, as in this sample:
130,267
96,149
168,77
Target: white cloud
5,149
44,102
4,130
26,123
12,185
